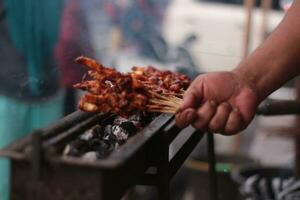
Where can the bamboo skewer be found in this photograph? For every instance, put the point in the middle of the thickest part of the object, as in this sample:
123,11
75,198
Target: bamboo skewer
166,98
162,107
163,111
166,106
162,102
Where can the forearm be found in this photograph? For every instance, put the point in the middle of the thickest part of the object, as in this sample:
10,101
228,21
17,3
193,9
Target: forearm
277,60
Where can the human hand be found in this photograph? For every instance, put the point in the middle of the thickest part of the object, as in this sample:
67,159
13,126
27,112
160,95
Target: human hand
221,102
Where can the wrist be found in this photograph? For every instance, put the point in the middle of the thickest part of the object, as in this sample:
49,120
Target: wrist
249,80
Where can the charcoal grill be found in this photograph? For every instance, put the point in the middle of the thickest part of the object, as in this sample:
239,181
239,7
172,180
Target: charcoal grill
39,171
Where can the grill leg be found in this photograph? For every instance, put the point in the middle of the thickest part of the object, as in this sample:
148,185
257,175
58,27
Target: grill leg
36,165
213,186
163,184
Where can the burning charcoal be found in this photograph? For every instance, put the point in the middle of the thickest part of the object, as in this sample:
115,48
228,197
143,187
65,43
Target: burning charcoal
107,132
69,150
76,148
87,135
99,131
115,146
94,142
109,137
113,139
90,156
137,124
98,145
129,127
137,117
104,153
119,120
119,134
95,132
104,149
154,115
140,117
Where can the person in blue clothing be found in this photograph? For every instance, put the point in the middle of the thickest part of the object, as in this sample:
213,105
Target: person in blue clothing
225,102
30,95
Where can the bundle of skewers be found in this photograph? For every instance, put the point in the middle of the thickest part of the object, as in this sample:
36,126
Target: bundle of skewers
144,89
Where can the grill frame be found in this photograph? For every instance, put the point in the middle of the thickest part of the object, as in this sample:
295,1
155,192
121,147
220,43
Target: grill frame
47,172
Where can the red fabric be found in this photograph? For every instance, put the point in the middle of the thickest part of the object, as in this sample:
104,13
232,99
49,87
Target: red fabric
73,42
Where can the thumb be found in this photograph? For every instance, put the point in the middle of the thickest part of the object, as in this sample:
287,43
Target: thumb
191,99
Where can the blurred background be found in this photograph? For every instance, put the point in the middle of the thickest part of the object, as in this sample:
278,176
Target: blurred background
39,41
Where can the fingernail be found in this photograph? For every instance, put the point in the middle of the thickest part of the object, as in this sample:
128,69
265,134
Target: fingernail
235,109
226,104
213,103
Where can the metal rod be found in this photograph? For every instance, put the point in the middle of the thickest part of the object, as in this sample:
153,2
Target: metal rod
172,130
297,137
177,161
213,186
66,123
163,184
73,132
36,161
297,157
279,107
